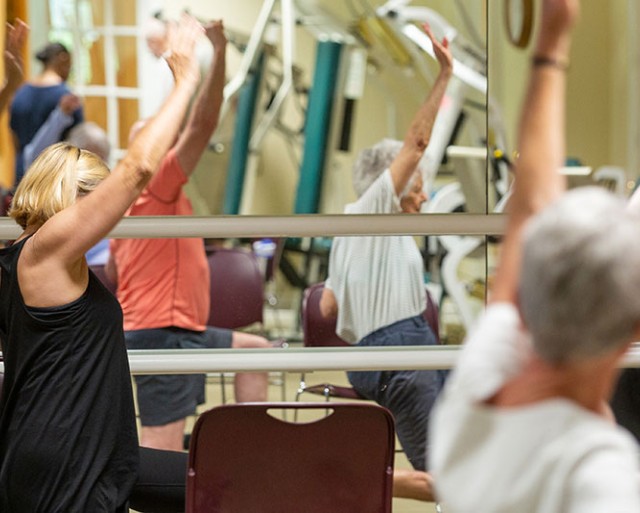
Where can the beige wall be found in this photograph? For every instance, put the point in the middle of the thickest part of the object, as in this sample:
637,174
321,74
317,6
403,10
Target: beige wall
598,113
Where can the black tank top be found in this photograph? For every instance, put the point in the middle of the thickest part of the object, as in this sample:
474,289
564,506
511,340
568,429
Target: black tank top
68,439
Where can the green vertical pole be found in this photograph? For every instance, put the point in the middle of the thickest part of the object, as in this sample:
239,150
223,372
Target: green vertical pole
240,148
317,125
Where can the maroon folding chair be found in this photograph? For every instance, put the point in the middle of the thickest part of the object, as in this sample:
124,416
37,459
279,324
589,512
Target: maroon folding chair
237,289
318,331
242,459
237,296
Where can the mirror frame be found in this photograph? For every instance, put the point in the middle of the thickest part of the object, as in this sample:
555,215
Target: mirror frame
519,34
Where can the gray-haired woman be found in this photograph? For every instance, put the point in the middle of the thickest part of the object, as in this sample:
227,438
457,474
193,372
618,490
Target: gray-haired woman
376,284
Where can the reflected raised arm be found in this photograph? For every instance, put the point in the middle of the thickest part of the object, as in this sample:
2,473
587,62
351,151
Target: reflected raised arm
71,232
205,112
419,132
541,138
16,38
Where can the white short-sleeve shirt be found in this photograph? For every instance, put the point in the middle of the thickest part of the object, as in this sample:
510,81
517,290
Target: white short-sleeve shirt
376,280
548,457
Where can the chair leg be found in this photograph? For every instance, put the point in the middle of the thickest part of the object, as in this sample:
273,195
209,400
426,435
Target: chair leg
327,396
224,388
284,387
301,387
299,392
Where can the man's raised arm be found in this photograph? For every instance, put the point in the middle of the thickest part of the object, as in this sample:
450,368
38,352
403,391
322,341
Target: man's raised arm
205,111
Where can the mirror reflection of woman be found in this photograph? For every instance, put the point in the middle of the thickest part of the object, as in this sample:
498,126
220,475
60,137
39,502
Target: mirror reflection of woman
376,284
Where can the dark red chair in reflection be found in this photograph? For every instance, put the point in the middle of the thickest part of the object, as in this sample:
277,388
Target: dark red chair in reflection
242,459
237,296
318,331
237,289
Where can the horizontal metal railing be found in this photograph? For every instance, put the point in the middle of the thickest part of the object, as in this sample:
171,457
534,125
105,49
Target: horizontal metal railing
295,226
198,361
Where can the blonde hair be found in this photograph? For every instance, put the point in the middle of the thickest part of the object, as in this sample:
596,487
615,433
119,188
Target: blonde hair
54,181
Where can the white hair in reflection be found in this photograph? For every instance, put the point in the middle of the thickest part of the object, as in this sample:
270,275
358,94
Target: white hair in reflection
89,136
371,162
580,280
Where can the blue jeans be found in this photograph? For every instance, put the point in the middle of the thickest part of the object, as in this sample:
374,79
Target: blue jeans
409,395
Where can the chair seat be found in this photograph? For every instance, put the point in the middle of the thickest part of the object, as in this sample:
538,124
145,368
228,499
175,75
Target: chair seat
329,390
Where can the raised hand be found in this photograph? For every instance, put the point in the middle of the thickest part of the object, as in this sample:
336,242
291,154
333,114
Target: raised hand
558,18
441,50
15,39
559,15
69,103
214,31
181,56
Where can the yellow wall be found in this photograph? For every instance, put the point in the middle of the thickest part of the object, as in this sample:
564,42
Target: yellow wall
597,101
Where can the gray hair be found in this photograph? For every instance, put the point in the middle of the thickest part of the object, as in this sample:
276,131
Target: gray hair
580,280
89,136
372,162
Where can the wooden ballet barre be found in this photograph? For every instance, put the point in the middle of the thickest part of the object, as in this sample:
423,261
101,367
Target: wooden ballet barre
138,227
199,361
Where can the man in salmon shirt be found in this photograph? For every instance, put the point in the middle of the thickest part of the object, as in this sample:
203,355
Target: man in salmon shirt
163,284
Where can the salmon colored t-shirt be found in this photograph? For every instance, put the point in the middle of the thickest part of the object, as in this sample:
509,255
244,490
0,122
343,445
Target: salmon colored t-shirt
162,282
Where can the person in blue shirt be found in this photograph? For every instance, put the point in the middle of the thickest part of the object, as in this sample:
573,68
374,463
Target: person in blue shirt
36,99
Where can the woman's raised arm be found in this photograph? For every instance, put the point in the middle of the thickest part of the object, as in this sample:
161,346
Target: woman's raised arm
71,232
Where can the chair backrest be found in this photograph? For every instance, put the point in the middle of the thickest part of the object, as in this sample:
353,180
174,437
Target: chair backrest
241,458
317,331
237,289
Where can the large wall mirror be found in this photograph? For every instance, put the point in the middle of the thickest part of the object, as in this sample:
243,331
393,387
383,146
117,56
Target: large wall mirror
366,59
330,75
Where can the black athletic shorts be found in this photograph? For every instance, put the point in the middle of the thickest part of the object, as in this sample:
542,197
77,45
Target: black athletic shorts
166,398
